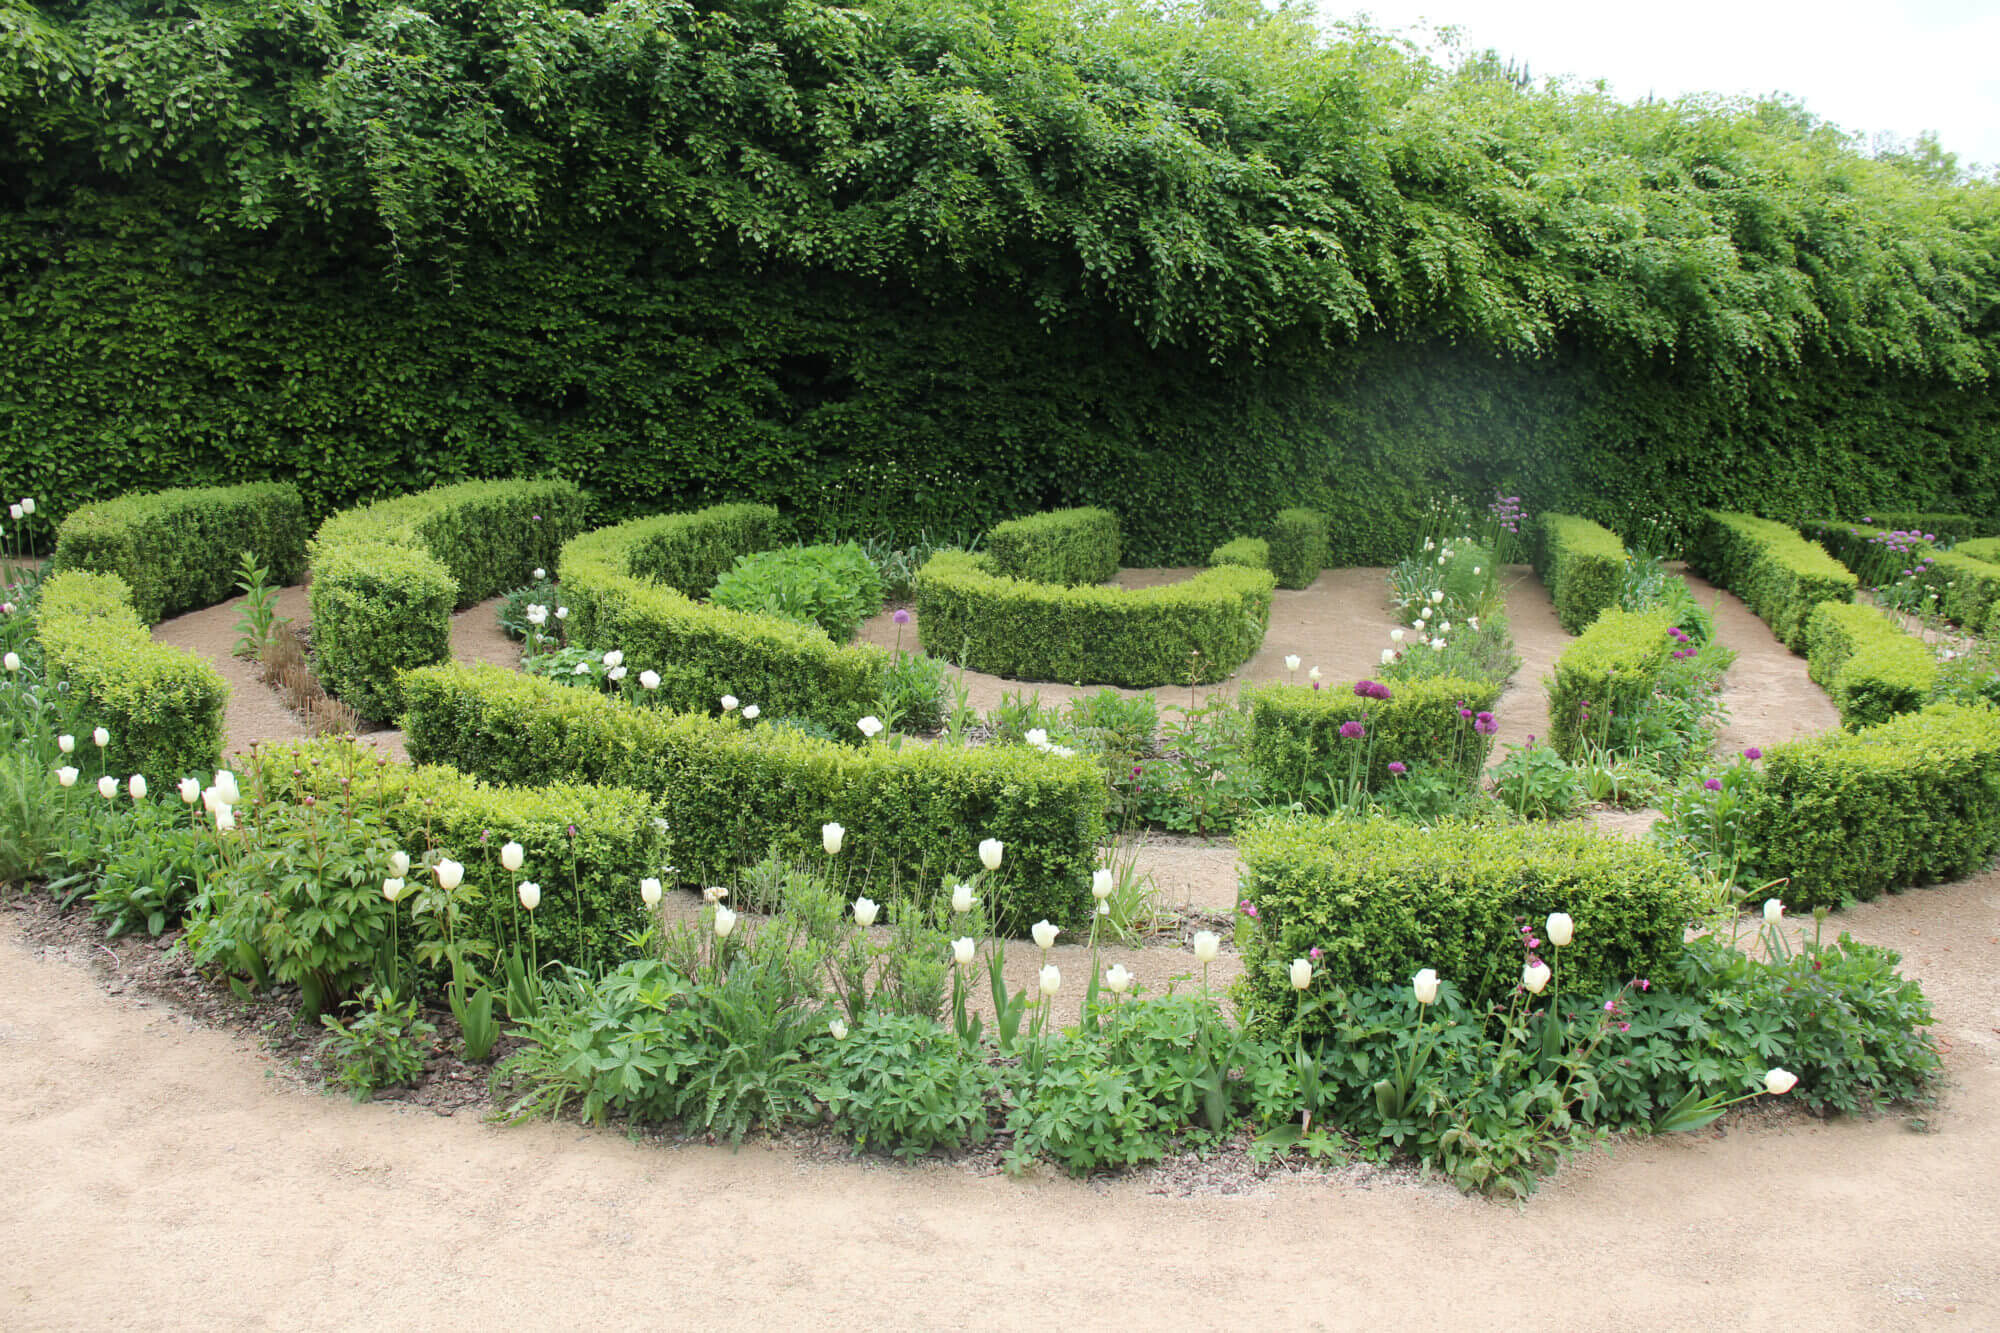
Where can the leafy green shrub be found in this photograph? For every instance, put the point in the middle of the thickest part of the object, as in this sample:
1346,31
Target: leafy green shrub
177,549
1647,586
1914,800
1867,664
615,1043
1702,817
1296,741
1378,901
733,796
152,872
1065,546
631,588
1199,781
1297,547
1968,589
1583,564
1778,573
1198,630
906,1085
834,587
1609,671
513,609
162,706
913,693
382,1046
1249,552
1534,782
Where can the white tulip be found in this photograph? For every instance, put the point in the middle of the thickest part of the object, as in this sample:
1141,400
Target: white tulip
616,657
1534,977
1051,980
989,853
14,512
961,898
1475,569
107,786
1441,559
541,574
616,673
582,669
725,921
190,790
225,781
649,680
728,703
1313,674
1118,978
1774,911
1045,934
513,856
1038,738
1101,884
1561,930
66,775
102,738
1104,909
714,893
1473,622
210,798
1437,645
1425,985
1062,752
392,889
1444,627
137,786
961,951
1396,635
1436,598
1430,545
27,505
1778,1082
530,894
538,615
865,911
450,874
562,613
870,726
1207,944
399,863
830,837
838,1030
750,712
1388,656
225,817
1291,661
66,743
649,892
1302,974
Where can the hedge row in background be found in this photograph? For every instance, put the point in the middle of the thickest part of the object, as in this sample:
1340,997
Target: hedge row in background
587,847
1298,547
1980,548
632,587
1915,800
1946,528
1374,901
732,794
178,550
1609,671
1583,564
1249,552
1966,586
387,576
1867,664
162,706
1196,631
1065,546
1295,738
1778,573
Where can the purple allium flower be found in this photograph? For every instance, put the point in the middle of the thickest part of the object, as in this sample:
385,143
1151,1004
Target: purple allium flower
1352,730
1463,711
1371,689
1398,767
1753,753
1485,725
1713,784
902,616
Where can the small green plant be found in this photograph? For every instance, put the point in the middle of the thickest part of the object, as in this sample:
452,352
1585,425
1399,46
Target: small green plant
1534,783
834,587
914,689
258,622
908,1085
382,1046
513,609
1702,816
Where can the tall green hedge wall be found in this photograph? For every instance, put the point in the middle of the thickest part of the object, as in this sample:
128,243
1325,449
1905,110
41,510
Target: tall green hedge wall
933,265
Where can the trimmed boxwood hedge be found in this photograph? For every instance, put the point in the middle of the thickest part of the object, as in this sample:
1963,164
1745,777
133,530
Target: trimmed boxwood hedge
1778,573
1249,552
617,841
1965,578
1611,669
1939,527
1980,548
387,576
178,550
1867,664
162,706
732,794
1064,546
1198,630
632,587
1583,564
1378,900
1295,739
1915,800
1298,547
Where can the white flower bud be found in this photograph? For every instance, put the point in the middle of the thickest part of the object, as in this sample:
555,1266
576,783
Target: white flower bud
1051,980
1045,934
1425,986
513,856
1207,944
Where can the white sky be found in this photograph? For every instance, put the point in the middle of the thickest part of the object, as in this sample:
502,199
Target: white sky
1896,68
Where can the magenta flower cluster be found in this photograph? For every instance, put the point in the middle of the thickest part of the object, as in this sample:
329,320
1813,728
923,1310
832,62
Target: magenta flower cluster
1397,768
1371,689
1352,730
1485,724
1506,509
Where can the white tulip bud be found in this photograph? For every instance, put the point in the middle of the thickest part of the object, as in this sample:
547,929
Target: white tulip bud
1441,559
582,669
1302,974
616,657
1291,661
225,817
210,798
1778,1082
1436,598
1774,911
513,856
27,505
1475,569
190,790
530,894
616,673
1051,980
870,726
225,781
728,703
1444,627
562,613
1396,635
66,743
107,786
989,853
1207,944
450,874
538,615
1313,674
1535,977
837,1029
649,892
1561,930
649,680
1425,985
1038,738
1101,884
1118,978
541,574
1473,622
961,898
1388,656
399,863
830,837
137,786
725,921
102,738
66,775
865,911
14,512
961,951
392,889
750,712
714,893
1045,934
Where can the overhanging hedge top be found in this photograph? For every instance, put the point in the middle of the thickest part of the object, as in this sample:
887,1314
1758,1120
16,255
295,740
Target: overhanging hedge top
177,550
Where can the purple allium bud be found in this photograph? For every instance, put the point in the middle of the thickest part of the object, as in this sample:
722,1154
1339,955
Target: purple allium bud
902,616
1352,730
1398,767
1713,784
1753,753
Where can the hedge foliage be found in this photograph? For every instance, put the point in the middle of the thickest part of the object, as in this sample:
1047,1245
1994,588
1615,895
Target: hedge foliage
1298,547
632,587
1249,552
1915,800
1065,546
1968,589
178,550
1583,564
1965,579
162,706
1778,573
1610,670
1195,631
589,878
1380,900
1867,664
1295,738
732,793
1980,548
1947,528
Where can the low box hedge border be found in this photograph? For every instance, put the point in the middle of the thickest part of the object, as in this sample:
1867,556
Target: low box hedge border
1867,664
1950,528
1779,574
1610,670
1583,565
1063,546
1197,631
1298,547
1249,552
1964,579
1295,739
178,550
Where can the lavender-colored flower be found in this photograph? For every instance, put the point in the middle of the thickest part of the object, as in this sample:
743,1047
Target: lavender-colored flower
1713,784
1352,731
1485,725
902,616
1753,753
1398,767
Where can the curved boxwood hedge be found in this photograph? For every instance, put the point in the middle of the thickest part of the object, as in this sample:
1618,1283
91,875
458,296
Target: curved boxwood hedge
387,576
732,794
1867,664
1249,552
1610,670
178,550
1298,546
1065,546
632,587
1295,739
162,706
1778,573
1583,564
1199,630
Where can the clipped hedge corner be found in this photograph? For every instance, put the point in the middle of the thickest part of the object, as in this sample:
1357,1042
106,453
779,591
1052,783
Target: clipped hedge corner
1298,547
1778,573
1064,546
1867,664
1583,564
178,550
